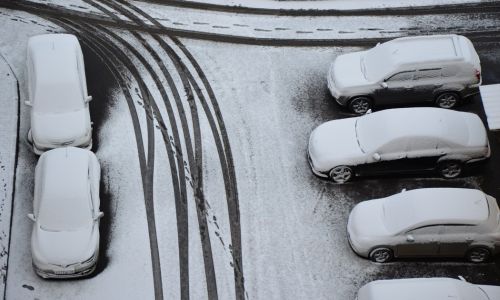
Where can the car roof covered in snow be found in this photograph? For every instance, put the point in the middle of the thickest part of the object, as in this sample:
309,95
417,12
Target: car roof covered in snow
421,49
64,186
54,71
420,288
377,129
432,206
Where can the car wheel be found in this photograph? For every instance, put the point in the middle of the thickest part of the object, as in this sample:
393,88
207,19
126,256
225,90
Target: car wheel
360,105
381,255
478,255
447,100
450,169
341,174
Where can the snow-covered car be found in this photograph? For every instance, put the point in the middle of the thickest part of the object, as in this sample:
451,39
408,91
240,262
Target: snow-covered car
57,91
65,236
439,69
429,222
427,288
402,140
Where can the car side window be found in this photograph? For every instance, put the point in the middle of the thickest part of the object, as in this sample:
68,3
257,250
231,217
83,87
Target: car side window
422,143
394,146
428,73
402,76
427,230
458,229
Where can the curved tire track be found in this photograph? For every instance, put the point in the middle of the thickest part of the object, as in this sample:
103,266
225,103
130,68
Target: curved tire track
147,167
474,7
57,11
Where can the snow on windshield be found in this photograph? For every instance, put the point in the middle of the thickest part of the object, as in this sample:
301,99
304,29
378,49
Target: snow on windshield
398,215
65,213
377,62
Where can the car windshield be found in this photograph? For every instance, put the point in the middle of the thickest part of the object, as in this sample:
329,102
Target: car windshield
58,97
397,215
66,213
377,63
370,132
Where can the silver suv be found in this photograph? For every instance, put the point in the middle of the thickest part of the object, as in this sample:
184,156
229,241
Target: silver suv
439,69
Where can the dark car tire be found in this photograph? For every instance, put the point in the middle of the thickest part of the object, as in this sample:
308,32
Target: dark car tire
341,174
450,169
447,100
381,255
360,105
478,255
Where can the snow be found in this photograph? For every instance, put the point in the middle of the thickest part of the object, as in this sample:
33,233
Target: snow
331,4
422,207
8,141
490,95
126,264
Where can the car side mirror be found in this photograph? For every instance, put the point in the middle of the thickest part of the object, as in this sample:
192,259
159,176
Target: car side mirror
384,84
31,217
376,156
28,103
403,190
461,278
410,238
88,99
98,216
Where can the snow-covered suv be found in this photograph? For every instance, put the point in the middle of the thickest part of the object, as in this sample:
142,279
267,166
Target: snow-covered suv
57,93
439,69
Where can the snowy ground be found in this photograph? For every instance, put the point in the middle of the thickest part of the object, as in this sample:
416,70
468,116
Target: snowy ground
292,224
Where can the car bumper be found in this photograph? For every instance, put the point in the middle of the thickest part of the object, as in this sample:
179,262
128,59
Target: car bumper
342,100
40,150
315,172
65,273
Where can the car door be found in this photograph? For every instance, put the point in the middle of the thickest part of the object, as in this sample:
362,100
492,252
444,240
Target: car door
421,241
422,154
399,89
426,82
389,158
455,240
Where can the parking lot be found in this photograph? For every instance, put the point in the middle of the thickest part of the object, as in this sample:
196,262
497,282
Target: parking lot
263,227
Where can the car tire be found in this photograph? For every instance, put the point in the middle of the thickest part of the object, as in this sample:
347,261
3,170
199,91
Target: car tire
447,100
381,255
341,174
360,105
478,255
450,169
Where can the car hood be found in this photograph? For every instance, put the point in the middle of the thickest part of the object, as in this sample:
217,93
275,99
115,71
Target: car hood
335,143
59,127
366,220
347,71
492,291
64,247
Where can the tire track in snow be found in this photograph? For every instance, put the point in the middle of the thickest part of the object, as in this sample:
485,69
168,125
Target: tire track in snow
147,166
226,159
233,205
195,161
474,7
57,11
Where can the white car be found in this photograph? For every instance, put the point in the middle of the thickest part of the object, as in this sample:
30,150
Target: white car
65,237
427,289
57,91
430,222
404,140
438,69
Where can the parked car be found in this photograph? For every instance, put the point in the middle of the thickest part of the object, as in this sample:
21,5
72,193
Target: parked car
439,222
57,92
402,140
439,69
427,288
65,236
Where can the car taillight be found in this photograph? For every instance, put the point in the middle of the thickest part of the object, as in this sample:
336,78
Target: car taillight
478,75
